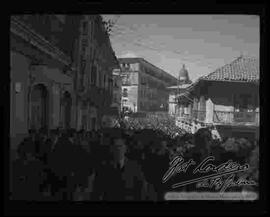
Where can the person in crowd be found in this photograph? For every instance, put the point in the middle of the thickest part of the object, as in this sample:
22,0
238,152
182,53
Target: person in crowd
253,172
153,175
27,175
240,150
45,145
126,163
123,179
162,161
202,141
28,144
62,166
82,168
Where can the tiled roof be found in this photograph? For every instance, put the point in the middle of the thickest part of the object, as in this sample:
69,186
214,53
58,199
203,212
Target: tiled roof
244,69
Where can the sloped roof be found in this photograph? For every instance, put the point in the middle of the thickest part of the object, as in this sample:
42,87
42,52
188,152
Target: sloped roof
243,69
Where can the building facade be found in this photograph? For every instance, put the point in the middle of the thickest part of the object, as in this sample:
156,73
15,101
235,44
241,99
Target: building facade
227,99
144,86
94,80
60,73
117,91
42,69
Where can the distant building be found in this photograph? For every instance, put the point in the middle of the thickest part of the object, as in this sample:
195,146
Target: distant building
227,99
117,91
144,86
179,107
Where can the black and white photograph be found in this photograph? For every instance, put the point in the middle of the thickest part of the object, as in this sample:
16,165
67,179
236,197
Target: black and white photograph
134,107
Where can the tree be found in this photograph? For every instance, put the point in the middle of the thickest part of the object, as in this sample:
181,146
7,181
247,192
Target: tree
109,24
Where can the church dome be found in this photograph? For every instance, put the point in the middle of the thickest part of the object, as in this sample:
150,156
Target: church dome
183,74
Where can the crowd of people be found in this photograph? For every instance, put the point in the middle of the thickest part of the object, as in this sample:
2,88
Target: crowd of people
164,124
126,163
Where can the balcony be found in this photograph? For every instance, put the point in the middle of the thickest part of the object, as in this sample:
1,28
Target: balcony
225,117
195,115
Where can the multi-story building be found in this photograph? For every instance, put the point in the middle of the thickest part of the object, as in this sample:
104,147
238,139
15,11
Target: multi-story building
60,73
144,86
112,115
42,68
227,99
117,91
94,82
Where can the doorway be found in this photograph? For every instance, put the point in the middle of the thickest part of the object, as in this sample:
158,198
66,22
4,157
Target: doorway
39,107
66,108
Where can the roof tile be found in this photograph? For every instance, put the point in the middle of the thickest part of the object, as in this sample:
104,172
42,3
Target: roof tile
242,69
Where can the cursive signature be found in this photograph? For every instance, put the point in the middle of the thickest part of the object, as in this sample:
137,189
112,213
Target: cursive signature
222,184
210,172
177,165
203,167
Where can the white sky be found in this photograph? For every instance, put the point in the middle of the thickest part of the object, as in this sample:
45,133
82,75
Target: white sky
201,42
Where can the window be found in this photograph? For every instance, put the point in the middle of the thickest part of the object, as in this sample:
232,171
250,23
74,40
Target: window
125,93
104,81
243,102
114,97
85,28
93,75
61,18
92,30
90,52
126,79
56,24
125,109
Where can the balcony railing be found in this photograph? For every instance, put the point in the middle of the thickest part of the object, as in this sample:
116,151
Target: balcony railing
236,117
195,115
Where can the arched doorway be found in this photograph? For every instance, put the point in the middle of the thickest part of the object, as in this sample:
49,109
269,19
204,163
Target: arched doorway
39,107
66,109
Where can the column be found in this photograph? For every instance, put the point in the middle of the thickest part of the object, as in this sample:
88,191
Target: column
56,110
79,112
209,111
195,108
189,110
182,110
73,111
